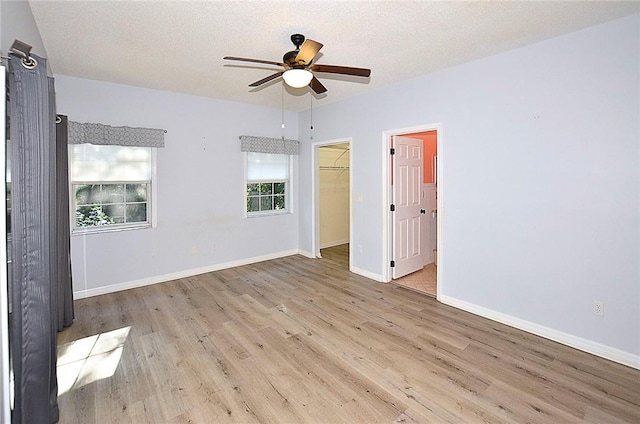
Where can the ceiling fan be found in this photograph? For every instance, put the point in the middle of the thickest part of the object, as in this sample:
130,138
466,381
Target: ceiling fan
298,67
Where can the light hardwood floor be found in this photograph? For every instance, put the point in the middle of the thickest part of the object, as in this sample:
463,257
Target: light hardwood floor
297,340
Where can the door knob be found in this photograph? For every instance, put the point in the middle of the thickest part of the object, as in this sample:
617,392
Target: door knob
422,211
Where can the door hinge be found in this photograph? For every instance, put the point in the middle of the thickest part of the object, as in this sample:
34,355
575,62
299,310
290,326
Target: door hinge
392,151
393,264
393,207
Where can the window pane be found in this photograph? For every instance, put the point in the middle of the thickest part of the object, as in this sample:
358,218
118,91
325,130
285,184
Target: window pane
266,203
91,216
82,214
83,194
278,188
253,204
137,212
278,203
136,193
114,211
266,188
113,193
253,189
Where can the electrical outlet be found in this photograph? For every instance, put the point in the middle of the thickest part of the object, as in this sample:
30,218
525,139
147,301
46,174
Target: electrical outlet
598,309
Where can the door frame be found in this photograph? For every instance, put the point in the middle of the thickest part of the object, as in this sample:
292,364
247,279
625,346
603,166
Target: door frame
387,227
315,197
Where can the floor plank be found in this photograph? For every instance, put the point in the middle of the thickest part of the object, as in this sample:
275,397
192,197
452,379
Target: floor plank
298,340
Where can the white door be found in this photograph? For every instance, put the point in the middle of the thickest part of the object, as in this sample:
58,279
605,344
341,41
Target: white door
407,200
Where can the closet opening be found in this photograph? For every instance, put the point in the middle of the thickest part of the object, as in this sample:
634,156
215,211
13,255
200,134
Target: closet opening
332,200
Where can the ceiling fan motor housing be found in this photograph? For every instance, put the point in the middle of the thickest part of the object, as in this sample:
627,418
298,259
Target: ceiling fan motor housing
297,40
289,59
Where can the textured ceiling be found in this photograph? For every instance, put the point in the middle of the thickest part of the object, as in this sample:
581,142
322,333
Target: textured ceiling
179,45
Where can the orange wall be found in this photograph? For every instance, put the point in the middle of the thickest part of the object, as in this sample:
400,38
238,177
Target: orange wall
429,152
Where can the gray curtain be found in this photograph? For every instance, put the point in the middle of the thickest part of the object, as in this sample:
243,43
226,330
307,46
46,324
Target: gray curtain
35,249
65,313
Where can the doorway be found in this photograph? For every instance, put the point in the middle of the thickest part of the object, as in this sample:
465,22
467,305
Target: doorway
411,222
332,199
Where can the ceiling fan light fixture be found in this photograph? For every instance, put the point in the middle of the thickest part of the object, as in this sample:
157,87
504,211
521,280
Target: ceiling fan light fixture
297,78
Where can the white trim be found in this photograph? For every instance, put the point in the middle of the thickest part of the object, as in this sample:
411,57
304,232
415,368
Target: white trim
386,199
154,188
81,294
585,345
315,194
306,254
333,243
111,228
367,274
245,160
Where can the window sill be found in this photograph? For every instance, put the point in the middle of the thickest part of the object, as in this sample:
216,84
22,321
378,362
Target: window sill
108,229
270,213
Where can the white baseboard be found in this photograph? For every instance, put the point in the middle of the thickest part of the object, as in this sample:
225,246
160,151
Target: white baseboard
368,274
585,345
334,243
176,275
306,254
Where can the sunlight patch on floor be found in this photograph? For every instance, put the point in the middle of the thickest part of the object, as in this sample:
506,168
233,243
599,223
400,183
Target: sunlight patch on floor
90,359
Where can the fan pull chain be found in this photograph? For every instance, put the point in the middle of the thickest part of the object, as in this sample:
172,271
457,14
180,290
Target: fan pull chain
311,97
283,111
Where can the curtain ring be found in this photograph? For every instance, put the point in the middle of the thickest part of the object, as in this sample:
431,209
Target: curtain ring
29,62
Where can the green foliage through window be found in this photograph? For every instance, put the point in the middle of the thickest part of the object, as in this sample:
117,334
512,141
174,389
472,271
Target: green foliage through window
265,197
91,217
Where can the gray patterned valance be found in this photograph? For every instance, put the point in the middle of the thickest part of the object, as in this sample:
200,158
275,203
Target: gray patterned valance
269,145
115,136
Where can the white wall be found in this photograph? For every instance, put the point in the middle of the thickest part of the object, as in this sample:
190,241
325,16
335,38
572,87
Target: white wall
200,187
553,224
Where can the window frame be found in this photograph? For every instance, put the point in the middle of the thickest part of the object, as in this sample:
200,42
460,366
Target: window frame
288,190
152,210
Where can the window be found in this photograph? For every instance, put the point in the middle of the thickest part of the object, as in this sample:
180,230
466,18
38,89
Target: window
111,186
267,183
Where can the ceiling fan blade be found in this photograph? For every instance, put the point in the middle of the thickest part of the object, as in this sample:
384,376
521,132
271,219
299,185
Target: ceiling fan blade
244,59
267,79
308,51
317,86
344,70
